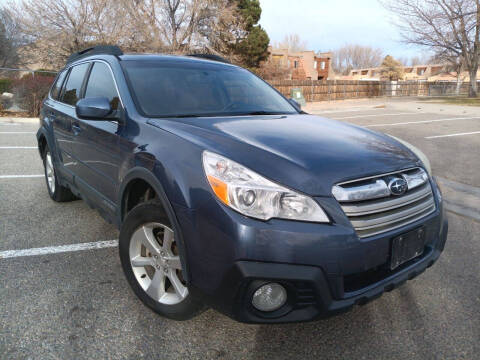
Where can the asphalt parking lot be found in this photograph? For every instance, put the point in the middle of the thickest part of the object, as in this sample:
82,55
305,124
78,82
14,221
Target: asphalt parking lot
70,299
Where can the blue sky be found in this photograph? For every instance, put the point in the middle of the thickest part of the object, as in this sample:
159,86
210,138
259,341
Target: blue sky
329,24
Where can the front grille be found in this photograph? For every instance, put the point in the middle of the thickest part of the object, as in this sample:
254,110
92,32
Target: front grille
372,209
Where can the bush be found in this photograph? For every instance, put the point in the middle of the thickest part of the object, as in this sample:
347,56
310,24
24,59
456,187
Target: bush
273,70
30,91
45,72
5,85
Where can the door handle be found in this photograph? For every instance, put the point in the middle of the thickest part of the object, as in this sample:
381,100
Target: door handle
76,129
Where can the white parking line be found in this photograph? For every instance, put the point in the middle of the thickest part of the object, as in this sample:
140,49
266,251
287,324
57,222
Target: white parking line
319,112
374,115
423,121
457,186
20,176
9,124
18,147
17,132
457,134
58,249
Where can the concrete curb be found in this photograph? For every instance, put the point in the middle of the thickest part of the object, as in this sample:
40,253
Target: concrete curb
13,120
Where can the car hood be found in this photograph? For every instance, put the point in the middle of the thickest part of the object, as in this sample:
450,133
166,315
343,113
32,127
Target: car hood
304,152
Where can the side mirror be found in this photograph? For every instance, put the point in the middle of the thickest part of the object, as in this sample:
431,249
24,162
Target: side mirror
295,104
93,108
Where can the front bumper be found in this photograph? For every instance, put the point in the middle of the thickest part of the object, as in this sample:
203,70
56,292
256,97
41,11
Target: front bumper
326,269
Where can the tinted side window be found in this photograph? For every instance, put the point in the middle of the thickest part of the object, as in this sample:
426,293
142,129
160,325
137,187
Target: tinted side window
101,84
71,92
55,92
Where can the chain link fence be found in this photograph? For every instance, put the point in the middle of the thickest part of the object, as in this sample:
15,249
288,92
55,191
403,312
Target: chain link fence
23,90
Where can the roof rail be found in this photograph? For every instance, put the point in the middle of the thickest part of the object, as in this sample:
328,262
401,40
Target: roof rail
99,49
210,57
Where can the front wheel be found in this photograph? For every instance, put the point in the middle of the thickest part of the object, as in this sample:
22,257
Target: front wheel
151,262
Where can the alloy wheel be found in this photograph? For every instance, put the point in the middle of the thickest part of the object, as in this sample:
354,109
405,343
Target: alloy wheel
50,172
156,263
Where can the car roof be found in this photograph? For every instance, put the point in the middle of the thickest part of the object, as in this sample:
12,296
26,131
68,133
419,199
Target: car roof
170,58
151,57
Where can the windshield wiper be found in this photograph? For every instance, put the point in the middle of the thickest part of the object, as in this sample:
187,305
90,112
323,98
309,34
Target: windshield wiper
259,112
262,112
184,116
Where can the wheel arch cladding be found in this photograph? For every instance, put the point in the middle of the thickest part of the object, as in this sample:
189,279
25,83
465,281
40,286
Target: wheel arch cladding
141,174
43,141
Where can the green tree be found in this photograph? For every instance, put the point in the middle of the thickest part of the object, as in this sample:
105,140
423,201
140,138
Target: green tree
391,69
250,11
252,46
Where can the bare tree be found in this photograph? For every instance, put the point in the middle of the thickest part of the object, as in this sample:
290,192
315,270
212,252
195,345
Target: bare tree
404,60
56,28
453,63
443,25
10,41
351,56
168,24
293,43
220,30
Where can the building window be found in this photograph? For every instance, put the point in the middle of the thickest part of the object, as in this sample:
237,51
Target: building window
295,64
322,65
315,65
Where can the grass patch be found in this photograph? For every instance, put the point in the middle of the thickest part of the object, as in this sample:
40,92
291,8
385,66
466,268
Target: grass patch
453,100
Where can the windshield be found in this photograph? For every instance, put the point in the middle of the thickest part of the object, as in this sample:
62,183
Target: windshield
186,89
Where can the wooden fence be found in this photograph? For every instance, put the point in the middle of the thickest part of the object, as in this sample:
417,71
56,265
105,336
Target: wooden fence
318,90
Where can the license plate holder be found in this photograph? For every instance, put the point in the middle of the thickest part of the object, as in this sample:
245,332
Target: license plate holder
407,246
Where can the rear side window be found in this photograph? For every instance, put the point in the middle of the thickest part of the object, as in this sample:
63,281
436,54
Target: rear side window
101,84
73,87
55,92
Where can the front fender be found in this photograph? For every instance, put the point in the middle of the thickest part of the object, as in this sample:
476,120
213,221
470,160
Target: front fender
149,177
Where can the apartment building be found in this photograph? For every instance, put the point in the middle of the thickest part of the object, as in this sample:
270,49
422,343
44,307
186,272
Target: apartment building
431,72
304,65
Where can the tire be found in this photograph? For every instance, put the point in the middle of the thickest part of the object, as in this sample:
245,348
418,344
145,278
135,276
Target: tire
151,262
56,191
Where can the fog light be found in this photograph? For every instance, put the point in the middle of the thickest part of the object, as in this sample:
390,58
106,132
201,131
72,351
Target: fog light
269,297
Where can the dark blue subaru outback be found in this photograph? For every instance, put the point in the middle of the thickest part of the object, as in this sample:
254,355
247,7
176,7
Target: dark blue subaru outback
226,194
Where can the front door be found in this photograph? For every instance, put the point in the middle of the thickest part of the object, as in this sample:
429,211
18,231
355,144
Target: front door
95,146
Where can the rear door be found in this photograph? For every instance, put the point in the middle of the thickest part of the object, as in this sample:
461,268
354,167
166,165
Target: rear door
53,111
96,142
65,114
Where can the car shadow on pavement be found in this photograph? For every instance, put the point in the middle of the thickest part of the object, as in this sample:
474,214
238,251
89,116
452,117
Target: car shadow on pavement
370,331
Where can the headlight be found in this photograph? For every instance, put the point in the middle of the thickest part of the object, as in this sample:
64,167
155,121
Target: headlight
253,195
423,158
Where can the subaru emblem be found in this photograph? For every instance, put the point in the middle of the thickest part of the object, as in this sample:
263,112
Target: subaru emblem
398,186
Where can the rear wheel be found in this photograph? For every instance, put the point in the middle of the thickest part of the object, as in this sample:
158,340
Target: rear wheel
56,191
151,261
